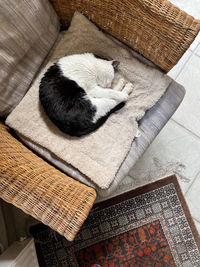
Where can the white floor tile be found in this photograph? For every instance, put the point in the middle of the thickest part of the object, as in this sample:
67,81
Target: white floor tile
195,43
192,7
197,51
188,114
175,150
174,72
193,198
197,224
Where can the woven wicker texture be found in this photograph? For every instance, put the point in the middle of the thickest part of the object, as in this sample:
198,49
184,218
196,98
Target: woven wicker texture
31,184
157,29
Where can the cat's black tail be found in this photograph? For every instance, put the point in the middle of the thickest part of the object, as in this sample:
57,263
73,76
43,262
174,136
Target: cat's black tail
96,125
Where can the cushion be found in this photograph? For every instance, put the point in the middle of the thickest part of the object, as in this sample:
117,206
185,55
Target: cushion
28,31
100,154
149,127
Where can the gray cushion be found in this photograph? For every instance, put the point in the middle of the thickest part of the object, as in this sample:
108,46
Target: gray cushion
28,31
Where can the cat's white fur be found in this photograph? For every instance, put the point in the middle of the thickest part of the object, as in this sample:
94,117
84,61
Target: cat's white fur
95,76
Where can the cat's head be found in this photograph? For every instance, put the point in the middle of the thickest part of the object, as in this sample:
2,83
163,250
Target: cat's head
105,71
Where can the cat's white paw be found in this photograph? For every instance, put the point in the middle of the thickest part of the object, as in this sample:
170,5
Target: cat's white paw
128,89
122,82
121,97
120,85
124,97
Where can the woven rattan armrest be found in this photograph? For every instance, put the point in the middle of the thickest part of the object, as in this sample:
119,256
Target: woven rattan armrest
157,29
34,186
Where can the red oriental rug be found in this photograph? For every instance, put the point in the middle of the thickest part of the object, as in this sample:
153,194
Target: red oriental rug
148,226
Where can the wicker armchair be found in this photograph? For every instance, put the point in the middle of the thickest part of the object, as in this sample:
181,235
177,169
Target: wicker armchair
155,28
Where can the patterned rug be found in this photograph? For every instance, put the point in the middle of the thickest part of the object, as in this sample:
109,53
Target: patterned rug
148,226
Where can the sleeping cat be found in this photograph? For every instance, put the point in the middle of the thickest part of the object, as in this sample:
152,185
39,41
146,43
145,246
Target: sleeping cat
76,93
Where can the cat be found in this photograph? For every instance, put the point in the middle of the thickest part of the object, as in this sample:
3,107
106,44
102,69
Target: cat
75,93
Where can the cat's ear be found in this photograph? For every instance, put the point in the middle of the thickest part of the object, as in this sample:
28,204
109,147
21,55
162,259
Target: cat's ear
115,64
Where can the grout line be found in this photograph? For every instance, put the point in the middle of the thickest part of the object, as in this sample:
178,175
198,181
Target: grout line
197,175
192,183
197,136
198,43
193,51
196,219
198,46
183,66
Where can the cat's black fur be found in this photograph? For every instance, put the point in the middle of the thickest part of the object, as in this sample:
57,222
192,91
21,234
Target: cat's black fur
64,103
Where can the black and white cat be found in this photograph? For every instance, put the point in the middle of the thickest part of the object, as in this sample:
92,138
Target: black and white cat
76,93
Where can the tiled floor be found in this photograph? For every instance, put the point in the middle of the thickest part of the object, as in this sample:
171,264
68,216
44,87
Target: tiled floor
177,148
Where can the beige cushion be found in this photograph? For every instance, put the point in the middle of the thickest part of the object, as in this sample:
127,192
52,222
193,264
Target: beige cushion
100,154
28,31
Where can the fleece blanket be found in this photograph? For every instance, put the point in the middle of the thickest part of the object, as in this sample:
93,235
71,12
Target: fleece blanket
99,154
